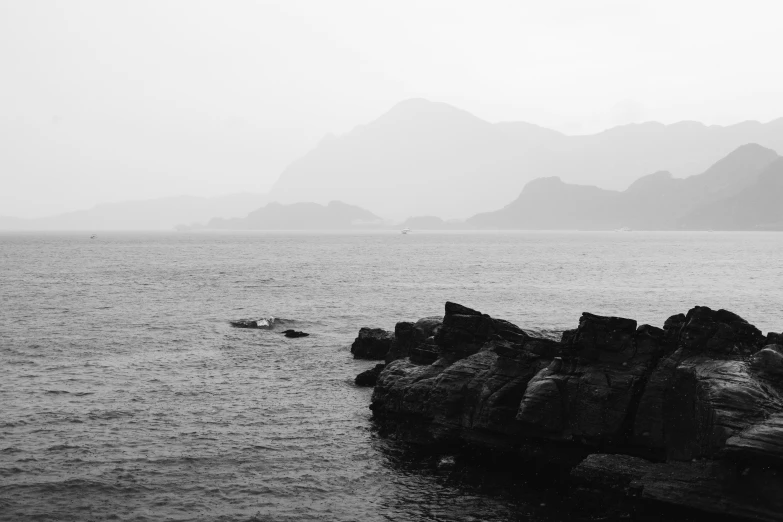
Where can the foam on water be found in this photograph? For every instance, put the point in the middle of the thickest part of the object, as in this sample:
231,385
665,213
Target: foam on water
126,394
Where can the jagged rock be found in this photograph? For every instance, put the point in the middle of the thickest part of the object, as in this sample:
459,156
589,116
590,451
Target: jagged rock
587,394
295,333
372,343
408,336
464,331
706,386
369,377
702,393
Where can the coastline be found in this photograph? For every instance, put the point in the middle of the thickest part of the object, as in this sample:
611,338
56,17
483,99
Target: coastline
687,416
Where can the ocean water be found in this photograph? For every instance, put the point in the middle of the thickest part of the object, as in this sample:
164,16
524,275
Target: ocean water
126,395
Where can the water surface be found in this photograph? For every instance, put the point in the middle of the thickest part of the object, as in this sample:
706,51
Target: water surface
125,394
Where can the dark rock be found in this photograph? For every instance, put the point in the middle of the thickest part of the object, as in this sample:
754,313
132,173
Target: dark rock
369,377
610,471
425,353
464,331
589,393
774,338
768,362
244,323
702,393
458,309
702,397
717,487
372,343
408,336
402,342
295,333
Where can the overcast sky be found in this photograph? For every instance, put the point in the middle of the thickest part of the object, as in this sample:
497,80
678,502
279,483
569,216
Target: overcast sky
108,100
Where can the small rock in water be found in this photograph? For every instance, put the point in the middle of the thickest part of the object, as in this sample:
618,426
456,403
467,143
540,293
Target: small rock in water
295,333
244,323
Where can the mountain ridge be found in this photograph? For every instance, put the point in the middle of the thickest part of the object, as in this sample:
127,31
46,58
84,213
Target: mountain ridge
335,215
423,158
657,201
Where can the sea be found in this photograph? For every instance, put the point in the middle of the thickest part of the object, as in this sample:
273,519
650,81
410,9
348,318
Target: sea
125,394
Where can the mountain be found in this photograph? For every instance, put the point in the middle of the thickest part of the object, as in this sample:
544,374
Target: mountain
758,207
298,216
153,214
424,158
419,158
654,202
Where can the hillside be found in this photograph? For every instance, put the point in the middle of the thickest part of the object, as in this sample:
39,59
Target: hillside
758,207
298,216
654,202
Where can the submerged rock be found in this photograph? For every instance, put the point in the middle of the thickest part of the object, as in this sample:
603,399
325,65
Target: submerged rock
369,377
701,400
295,333
372,343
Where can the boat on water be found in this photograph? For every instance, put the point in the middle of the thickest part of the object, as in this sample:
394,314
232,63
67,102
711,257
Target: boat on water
623,229
405,230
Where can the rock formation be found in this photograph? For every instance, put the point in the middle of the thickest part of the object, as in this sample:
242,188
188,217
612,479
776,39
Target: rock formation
244,323
372,343
415,340
295,333
369,377
690,414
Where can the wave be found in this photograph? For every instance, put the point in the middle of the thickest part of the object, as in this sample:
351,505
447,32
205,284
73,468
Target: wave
61,447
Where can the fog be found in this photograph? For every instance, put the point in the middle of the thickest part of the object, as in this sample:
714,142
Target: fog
109,101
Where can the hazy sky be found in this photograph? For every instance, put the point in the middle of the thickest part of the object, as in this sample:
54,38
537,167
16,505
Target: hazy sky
107,100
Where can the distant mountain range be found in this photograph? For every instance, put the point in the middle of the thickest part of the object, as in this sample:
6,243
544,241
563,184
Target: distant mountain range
153,214
742,191
425,158
297,216
430,159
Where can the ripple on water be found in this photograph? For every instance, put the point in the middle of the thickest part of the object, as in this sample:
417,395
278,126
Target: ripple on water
126,394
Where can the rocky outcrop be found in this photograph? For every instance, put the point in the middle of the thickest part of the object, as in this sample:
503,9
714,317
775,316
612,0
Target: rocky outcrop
295,334
369,377
372,343
690,414
416,340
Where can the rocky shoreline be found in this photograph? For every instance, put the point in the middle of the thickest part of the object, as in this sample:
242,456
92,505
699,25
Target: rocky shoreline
689,415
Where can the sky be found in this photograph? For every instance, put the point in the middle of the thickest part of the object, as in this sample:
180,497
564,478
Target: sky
111,100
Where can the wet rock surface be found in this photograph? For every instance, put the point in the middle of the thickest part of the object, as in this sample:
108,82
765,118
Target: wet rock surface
369,377
689,415
372,343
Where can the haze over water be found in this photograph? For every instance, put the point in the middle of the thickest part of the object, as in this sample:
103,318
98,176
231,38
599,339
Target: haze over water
126,395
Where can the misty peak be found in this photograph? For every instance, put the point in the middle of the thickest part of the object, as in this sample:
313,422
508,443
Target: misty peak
420,109
656,180
752,150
